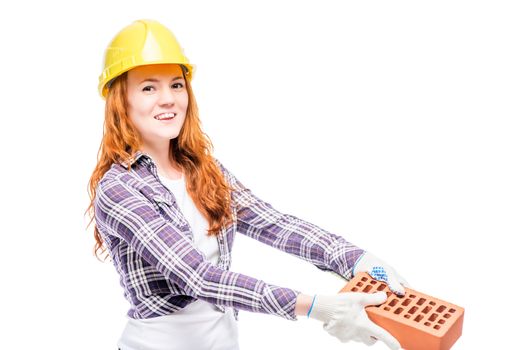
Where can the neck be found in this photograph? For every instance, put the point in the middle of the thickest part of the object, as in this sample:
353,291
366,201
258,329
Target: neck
161,156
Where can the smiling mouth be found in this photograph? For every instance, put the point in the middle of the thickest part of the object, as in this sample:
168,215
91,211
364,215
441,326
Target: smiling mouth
165,116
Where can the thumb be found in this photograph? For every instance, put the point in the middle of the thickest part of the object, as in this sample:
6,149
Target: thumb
395,286
383,335
373,298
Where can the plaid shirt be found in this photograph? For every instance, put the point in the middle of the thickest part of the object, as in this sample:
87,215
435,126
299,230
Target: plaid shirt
161,269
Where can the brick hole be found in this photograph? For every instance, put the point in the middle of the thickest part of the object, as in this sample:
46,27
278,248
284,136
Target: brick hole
388,294
413,309
367,288
354,289
437,326
421,301
373,282
441,321
433,317
427,324
393,302
381,287
398,310
426,309
441,308
360,284
432,303
406,302
412,296
407,316
452,310
386,308
364,279
447,315
418,318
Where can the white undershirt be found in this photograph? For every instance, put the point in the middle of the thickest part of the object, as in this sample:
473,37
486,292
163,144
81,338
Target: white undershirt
200,325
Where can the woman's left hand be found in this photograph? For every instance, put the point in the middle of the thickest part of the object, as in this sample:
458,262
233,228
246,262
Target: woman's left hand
380,271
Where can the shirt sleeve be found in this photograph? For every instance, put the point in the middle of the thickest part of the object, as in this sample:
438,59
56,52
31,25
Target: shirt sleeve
259,220
127,214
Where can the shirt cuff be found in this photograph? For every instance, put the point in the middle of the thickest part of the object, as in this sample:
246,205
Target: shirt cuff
343,256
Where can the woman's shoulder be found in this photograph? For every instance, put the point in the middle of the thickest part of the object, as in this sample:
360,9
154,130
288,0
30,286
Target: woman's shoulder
114,172
135,177
228,174
221,166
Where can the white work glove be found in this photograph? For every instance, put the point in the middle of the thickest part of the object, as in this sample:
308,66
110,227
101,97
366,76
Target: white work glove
345,318
380,271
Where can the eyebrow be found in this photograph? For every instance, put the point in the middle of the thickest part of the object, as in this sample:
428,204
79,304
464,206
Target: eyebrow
156,80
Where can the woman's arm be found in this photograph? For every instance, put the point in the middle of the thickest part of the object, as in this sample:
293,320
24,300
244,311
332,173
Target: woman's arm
303,304
124,212
259,220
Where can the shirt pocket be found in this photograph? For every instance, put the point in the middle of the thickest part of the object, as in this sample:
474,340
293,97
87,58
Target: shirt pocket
163,204
163,199
168,208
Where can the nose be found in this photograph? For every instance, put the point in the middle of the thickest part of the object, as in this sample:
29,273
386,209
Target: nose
167,97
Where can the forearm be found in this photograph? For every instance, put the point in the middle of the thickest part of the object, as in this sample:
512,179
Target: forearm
259,220
303,304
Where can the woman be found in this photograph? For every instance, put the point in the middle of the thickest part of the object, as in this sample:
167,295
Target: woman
166,212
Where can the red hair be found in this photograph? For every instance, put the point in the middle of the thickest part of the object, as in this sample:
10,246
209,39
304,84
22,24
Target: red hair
191,150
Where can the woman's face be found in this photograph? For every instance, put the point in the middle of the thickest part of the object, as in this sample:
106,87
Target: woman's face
153,91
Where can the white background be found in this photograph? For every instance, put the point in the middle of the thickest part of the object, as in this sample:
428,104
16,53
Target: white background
396,124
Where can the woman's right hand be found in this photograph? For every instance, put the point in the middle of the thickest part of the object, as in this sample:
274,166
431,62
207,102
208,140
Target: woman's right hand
345,318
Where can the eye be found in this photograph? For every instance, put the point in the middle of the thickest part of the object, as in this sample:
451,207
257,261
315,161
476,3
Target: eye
181,85
147,87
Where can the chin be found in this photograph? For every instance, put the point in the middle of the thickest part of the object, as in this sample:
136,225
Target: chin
172,136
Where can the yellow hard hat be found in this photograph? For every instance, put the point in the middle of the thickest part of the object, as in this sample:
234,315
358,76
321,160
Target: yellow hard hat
140,43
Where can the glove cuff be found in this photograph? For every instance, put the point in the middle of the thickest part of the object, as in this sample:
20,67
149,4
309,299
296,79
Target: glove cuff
323,308
311,307
353,272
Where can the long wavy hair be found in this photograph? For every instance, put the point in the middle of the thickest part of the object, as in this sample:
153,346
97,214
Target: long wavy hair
192,151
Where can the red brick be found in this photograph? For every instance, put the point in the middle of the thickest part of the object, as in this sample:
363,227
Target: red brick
418,321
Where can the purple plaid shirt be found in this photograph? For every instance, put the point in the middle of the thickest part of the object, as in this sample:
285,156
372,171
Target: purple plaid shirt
161,269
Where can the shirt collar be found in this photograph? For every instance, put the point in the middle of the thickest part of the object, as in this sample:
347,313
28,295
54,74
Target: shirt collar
134,158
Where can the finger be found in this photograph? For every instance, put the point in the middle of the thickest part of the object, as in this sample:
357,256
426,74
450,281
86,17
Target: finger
383,335
369,340
376,298
394,282
328,325
395,286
